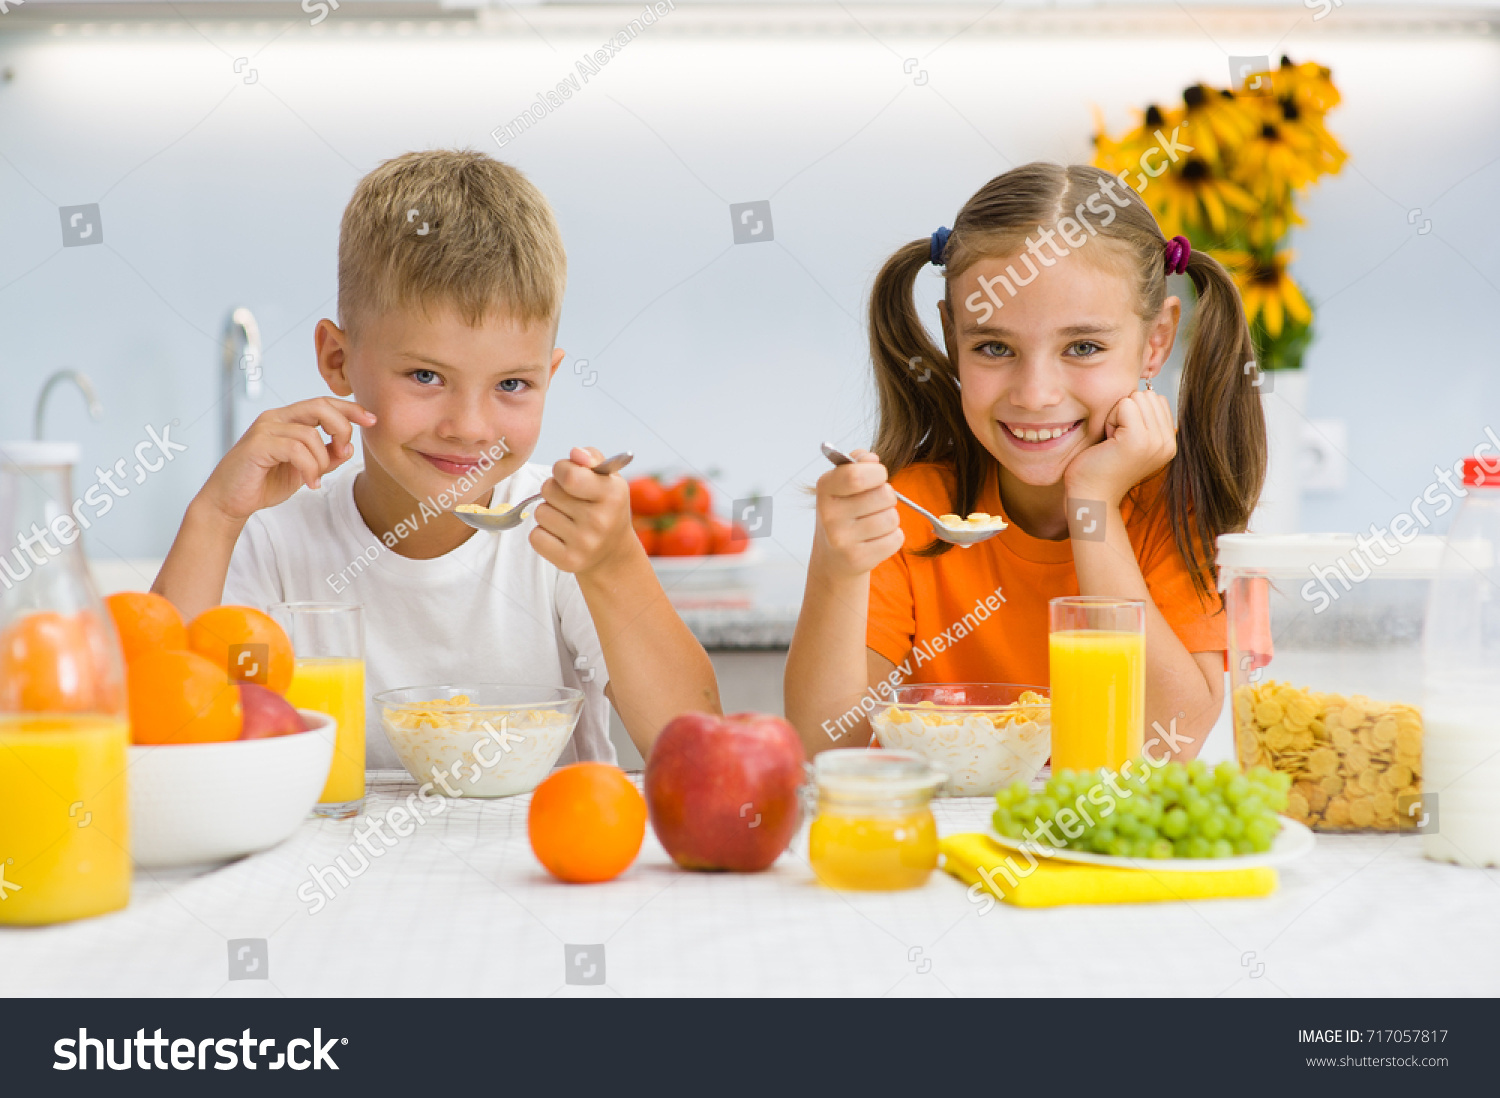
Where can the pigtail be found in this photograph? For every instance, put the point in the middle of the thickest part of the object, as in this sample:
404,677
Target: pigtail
921,415
1216,477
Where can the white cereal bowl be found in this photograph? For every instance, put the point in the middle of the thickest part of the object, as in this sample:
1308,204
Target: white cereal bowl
479,739
196,803
978,733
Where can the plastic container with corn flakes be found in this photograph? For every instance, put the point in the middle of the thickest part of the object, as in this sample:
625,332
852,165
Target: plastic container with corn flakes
1325,666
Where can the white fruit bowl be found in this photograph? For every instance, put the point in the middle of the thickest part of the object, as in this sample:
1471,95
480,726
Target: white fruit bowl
193,803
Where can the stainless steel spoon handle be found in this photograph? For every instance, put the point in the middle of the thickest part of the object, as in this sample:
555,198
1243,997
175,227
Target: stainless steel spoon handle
839,458
957,537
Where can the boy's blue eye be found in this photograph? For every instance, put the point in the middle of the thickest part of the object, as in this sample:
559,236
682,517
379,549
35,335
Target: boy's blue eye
423,377
512,385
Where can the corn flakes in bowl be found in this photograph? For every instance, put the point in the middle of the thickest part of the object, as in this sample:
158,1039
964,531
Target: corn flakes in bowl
983,735
481,740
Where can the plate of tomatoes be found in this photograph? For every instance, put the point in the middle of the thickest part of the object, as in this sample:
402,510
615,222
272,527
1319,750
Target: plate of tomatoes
676,524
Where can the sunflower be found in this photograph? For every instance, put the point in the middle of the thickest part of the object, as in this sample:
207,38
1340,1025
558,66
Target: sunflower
1190,194
1216,121
1268,291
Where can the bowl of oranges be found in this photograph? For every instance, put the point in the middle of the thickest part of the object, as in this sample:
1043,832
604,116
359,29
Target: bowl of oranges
221,765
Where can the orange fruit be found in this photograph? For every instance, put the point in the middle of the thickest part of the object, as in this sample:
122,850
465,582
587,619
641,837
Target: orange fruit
586,822
245,644
58,663
145,622
181,697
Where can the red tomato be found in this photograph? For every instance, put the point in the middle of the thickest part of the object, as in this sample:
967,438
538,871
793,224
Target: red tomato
645,529
726,537
683,536
690,495
648,497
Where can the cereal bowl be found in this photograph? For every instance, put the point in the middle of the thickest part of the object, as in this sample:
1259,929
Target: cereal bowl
480,740
983,735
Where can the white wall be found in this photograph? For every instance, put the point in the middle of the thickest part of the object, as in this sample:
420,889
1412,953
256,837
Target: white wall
739,359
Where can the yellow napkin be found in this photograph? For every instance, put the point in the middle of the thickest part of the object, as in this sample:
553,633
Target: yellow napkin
1052,883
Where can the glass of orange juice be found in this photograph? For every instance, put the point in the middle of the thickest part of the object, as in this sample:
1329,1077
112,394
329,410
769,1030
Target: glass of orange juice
329,640
1097,653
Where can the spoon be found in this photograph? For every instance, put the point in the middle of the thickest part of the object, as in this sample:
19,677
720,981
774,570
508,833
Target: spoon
946,533
512,518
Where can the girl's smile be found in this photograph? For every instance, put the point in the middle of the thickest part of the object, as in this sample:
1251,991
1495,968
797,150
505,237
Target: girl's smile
1039,436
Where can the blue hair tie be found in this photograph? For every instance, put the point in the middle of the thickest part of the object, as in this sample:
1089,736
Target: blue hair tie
939,245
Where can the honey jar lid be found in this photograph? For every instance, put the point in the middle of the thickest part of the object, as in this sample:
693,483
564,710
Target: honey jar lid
877,774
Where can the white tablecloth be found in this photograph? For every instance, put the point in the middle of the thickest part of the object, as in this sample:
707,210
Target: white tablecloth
460,907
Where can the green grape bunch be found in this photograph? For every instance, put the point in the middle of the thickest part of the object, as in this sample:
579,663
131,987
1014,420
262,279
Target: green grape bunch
1171,811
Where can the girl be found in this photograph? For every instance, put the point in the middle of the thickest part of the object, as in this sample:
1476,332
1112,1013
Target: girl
1055,308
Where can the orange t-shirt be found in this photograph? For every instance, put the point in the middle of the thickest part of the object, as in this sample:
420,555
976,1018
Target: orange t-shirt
979,614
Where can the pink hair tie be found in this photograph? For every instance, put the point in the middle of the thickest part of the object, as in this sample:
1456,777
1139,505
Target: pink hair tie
1178,250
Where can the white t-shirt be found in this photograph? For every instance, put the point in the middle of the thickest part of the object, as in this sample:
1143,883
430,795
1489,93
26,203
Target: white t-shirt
491,610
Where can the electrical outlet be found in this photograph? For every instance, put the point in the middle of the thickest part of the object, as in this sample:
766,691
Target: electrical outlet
1321,458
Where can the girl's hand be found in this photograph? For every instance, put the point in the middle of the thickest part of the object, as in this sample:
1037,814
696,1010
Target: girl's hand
857,522
1139,438
282,451
583,520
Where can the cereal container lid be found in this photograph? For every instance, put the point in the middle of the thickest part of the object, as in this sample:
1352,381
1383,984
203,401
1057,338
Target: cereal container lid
1291,555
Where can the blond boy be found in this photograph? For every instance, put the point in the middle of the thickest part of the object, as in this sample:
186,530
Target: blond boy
451,277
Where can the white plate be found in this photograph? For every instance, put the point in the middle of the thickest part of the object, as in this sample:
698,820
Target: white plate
707,564
1293,841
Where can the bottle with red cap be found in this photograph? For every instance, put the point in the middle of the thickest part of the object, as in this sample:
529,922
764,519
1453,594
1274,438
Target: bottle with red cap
1460,811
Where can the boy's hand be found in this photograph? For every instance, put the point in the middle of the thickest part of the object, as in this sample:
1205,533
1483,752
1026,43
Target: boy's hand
1139,438
858,526
282,451
583,520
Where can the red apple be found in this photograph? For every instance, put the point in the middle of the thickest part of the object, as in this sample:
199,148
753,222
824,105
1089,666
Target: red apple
267,713
723,791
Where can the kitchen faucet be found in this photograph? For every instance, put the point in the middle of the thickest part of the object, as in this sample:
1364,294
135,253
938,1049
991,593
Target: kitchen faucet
239,329
85,386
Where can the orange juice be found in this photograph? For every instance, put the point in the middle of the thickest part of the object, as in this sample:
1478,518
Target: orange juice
336,686
1098,698
868,850
64,833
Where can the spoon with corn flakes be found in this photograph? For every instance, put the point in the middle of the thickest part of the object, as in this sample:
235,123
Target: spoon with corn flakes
953,528
509,515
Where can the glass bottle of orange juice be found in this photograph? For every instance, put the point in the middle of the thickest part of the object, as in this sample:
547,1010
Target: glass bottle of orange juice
64,722
329,640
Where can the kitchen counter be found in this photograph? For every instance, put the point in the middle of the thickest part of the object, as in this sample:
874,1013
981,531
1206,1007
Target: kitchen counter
460,907
757,609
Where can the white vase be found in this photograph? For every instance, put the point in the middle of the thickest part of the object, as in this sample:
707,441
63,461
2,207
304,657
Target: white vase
1280,508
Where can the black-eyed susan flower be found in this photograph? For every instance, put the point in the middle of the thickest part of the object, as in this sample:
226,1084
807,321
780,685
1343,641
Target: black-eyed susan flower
1309,85
1277,157
1191,195
1216,122
1269,293
1273,219
1328,154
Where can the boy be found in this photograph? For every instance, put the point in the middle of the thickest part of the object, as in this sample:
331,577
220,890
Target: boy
451,276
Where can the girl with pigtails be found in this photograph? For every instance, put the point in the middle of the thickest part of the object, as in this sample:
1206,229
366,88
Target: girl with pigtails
1056,309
